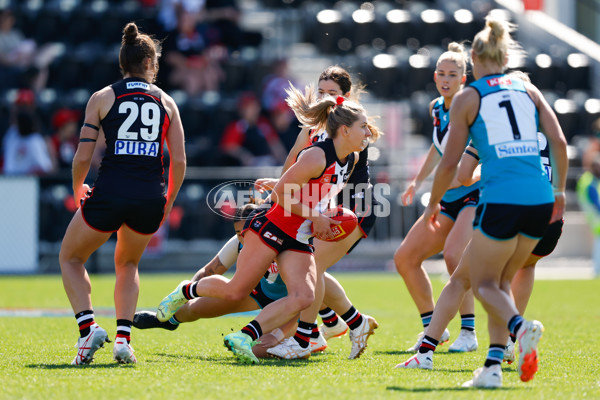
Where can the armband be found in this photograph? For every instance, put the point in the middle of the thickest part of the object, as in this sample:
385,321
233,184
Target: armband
82,140
91,126
469,152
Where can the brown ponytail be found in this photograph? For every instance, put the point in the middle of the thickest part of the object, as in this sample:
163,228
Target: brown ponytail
135,48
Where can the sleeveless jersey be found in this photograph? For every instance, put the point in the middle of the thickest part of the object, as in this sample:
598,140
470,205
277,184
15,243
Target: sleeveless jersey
316,194
360,175
135,129
441,123
505,133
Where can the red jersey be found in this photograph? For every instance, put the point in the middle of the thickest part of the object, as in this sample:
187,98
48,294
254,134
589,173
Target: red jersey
316,194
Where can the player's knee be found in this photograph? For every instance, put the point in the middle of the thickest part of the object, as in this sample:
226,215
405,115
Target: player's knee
452,259
459,283
302,298
66,259
402,260
483,288
307,299
235,295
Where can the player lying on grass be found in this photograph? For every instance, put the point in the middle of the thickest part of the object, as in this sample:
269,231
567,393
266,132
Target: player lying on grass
270,288
300,200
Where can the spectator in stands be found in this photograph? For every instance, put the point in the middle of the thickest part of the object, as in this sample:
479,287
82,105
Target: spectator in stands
588,194
22,60
65,139
223,20
274,85
25,149
285,124
169,10
193,65
251,140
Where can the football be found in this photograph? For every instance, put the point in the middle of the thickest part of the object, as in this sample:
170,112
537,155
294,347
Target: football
348,220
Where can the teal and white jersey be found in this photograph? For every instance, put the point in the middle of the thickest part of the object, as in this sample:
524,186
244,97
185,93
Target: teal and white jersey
505,132
441,123
271,283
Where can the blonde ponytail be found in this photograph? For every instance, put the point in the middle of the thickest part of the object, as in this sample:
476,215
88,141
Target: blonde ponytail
494,42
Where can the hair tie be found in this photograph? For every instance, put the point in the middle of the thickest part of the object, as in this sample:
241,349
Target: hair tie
339,100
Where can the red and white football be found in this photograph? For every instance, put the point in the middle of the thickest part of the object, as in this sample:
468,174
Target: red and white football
348,220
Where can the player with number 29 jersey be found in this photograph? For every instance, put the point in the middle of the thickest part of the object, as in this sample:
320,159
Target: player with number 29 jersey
135,129
505,134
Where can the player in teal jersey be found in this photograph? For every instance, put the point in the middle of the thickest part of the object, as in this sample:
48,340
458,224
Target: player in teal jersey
501,115
458,208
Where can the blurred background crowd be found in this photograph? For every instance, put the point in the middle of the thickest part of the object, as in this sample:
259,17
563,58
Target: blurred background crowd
227,62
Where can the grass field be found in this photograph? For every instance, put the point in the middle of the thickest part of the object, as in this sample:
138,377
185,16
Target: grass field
35,352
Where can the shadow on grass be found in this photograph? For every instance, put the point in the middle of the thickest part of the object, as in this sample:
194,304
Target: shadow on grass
408,353
231,360
69,366
442,389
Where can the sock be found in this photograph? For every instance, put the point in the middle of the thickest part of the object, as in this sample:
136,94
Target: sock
467,322
426,319
303,333
124,329
353,318
329,317
174,321
253,330
189,290
495,355
513,338
428,344
515,323
315,331
85,319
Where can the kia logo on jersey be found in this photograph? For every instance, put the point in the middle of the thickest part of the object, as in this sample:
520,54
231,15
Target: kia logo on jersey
504,80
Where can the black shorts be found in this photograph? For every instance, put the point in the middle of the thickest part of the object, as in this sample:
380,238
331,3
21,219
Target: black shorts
364,210
453,208
272,236
505,221
547,244
260,297
106,213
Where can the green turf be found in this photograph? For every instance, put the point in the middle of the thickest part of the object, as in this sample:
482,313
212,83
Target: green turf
35,353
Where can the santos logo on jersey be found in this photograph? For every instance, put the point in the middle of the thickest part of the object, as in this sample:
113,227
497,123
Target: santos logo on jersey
133,148
517,149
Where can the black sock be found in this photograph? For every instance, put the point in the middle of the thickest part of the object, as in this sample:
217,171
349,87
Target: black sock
495,355
124,329
253,329
428,344
85,319
303,333
353,318
315,331
329,317
189,290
